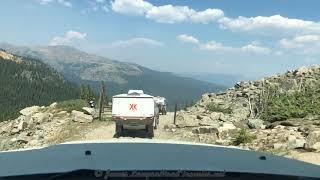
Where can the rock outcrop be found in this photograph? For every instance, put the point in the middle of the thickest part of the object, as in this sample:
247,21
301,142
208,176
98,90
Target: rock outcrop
81,117
217,117
39,126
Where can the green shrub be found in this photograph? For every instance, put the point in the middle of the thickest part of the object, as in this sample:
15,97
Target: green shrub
76,104
243,137
215,108
296,105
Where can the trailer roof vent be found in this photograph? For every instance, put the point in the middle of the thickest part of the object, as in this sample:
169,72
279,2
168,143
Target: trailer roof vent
135,92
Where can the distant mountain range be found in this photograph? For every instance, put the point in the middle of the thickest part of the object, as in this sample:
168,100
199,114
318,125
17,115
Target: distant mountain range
223,79
26,82
84,68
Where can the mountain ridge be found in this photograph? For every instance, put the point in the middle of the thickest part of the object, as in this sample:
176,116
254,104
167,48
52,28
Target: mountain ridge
84,68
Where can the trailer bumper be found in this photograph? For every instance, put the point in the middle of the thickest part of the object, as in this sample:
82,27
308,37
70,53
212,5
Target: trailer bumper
133,121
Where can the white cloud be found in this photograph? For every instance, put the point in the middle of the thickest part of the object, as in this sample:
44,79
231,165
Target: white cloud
278,53
215,46
44,2
254,47
269,25
166,13
187,38
251,48
65,3
169,14
304,44
131,7
207,16
62,2
67,38
136,42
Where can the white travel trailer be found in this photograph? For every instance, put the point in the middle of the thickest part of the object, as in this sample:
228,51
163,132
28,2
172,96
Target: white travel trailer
135,110
162,104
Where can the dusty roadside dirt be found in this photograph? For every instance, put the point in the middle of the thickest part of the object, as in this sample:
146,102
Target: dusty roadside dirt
310,157
104,130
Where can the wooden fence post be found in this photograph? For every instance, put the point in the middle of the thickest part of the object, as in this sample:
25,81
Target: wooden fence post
175,113
101,108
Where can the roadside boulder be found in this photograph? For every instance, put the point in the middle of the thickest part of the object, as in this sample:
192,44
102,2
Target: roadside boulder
78,116
206,121
30,110
14,131
313,141
278,146
186,120
240,114
91,111
170,127
255,123
215,116
53,105
225,117
22,125
62,114
204,130
301,71
296,143
42,117
226,126
205,98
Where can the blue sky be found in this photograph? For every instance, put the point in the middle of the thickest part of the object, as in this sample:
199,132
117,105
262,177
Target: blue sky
251,38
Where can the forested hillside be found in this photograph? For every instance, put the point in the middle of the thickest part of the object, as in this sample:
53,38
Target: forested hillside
84,68
26,81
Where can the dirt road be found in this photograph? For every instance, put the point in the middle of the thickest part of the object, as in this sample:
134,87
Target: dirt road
105,131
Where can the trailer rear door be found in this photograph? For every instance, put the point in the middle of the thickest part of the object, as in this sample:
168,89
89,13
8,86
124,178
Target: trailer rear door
133,107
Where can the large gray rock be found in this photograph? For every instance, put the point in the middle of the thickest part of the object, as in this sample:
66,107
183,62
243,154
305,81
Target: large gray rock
240,114
53,105
63,114
205,97
296,143
206,121
215,116
78,116
186,120
313,141
91,111
226,126
14,131
302,71
30,110
204,130
22,125
170,127
225,118
42,117
278,146
5,128
255,123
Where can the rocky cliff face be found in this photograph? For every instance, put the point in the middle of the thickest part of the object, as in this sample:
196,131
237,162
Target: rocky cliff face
236,116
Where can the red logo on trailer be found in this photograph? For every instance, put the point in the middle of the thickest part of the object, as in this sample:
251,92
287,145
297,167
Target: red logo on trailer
133,107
